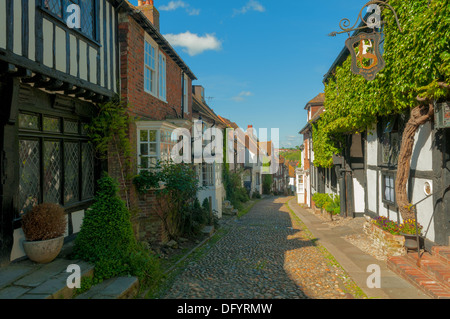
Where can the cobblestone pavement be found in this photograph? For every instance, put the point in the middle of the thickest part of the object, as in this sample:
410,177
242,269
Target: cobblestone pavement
266,254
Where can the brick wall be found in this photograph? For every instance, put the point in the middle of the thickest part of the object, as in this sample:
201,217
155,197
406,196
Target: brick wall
145,209
143,104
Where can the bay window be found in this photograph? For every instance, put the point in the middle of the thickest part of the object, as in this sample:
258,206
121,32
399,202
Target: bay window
155,143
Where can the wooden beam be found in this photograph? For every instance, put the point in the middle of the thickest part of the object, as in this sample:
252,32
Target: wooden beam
42,81
55,85
88,95
81,93
74,90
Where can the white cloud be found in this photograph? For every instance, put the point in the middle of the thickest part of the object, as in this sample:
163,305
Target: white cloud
174,5
193,12
194,44
252,5
241,97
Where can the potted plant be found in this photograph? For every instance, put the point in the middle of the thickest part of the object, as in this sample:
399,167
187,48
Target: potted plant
408,230
44,228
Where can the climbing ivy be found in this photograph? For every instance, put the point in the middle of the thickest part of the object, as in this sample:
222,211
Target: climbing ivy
417,63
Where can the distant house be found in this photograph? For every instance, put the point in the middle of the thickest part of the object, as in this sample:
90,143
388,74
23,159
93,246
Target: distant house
209,174
246,158
310,177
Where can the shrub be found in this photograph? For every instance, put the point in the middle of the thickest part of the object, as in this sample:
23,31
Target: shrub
106,238
333,205
44,221
256,195
267,181
146,180
320,199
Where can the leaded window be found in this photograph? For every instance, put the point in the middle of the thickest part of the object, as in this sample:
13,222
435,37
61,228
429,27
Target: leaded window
59,8
390,140
56,161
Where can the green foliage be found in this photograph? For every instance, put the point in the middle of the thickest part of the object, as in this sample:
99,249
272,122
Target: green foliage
108,131
295,155
256,195
319,199
183,215
267,180
109,128
416,61
146,180
331,204
236,193
107,240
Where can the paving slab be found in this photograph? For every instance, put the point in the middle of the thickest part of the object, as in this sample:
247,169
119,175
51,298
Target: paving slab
13,292
45,272
12,273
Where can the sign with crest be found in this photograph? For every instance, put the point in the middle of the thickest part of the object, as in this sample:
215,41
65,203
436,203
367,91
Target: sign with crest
365,44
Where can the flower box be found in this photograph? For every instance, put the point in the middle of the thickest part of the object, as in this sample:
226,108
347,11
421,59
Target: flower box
389,244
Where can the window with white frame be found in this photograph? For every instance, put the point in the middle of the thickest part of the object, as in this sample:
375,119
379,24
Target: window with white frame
155,144
155,70
150,68
300,185
388,184
162,76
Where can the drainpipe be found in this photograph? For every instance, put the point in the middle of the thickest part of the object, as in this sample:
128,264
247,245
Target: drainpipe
182,95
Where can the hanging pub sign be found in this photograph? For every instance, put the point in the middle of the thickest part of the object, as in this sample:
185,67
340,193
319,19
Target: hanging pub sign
364,47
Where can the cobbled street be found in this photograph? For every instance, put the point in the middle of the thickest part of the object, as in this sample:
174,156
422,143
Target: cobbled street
267,253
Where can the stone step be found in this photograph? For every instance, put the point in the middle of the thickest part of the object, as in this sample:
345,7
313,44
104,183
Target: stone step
407,269
47,281
114,288
208,230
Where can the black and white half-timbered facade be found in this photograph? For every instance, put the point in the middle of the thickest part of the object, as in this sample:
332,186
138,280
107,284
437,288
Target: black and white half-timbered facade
52,76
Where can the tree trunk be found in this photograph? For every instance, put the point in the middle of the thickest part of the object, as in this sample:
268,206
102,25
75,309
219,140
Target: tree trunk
419,116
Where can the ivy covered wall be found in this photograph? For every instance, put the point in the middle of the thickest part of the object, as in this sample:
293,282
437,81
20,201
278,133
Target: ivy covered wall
417,65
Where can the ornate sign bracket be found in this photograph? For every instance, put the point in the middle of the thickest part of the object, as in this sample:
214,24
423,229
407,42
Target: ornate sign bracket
373,21
365,47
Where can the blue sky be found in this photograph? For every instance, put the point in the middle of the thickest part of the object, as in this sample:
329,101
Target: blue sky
260,61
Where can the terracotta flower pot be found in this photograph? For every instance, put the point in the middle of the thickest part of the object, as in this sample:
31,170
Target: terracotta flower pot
43,251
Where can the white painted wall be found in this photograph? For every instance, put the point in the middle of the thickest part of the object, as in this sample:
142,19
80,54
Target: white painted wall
371,178
359,200
422,156
424,208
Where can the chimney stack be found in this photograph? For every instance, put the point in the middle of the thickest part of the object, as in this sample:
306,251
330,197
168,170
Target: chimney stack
148,8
